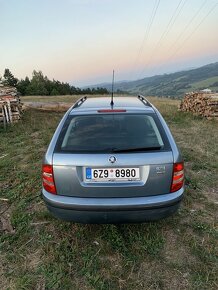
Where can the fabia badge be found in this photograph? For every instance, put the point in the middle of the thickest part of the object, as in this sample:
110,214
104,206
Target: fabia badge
112,159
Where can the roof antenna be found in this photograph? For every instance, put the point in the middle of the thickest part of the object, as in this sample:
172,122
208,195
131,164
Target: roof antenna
112,93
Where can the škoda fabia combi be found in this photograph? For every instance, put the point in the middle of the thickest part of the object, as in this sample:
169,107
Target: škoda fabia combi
112,162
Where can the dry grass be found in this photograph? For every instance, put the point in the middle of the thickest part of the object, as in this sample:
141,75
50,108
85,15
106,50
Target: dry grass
67,98
40,252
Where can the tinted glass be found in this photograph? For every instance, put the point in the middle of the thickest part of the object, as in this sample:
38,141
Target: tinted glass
110,132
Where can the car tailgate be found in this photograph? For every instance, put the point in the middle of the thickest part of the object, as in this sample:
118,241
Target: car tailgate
155,174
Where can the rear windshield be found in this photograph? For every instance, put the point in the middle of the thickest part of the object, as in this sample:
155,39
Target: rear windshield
112,133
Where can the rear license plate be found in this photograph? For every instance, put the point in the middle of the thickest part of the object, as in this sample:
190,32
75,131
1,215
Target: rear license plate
112,174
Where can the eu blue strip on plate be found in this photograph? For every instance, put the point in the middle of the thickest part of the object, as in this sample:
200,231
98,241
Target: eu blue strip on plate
88,173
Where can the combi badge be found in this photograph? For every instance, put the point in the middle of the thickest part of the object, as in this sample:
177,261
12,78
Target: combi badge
160,169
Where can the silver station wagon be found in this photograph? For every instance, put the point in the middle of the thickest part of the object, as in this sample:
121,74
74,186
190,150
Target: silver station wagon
112,163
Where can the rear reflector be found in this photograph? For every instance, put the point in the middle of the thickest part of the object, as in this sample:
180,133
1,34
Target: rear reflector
178,177
48,178
112,111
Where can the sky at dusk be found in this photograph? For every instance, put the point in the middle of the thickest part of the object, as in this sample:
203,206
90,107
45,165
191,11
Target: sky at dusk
82,41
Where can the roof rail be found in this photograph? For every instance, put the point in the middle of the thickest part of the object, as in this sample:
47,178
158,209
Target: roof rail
144,101
79,102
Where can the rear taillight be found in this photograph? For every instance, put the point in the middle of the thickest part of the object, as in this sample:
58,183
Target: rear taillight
178,176
48,178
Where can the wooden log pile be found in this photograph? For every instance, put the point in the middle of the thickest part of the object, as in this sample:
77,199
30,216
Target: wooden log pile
10,105
204,104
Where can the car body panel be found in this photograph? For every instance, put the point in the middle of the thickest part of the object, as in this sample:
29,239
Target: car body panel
115,216
69,177
79,200
113,210
110,204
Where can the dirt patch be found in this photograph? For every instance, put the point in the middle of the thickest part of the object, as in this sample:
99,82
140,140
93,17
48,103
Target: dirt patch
156,275
33,260
212,195
5,228
5,218
4,185
3,280
175,252
36,138
114,262
40,284
36,207
5,225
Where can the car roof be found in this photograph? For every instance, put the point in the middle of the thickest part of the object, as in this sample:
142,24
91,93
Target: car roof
129,104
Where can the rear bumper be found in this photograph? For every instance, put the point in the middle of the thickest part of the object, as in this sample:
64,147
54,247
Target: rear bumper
113,210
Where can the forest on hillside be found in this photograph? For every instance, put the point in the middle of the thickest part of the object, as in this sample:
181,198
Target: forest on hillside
173,85
40,85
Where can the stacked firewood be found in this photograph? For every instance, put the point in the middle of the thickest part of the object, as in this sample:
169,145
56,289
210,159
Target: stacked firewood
201,103
10,105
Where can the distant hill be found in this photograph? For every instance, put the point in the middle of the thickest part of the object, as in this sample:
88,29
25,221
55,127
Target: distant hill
173,84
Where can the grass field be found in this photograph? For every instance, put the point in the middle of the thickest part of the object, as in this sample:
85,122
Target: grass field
40,252
67,98
205,84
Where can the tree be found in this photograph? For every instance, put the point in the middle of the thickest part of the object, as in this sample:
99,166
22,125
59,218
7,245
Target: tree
40,85
37,85
9,79
54,92
22,86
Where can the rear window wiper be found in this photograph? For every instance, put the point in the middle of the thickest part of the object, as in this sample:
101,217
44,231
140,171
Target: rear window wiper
136,149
